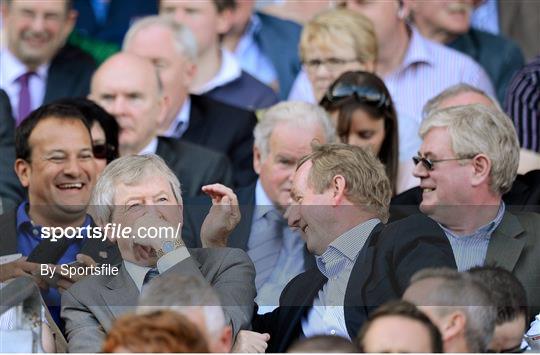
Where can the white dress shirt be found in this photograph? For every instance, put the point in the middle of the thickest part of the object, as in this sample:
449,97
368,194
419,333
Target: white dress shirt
181,122
229,71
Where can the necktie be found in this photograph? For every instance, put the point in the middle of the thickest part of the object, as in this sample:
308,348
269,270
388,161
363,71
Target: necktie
264,245
154,272
25,101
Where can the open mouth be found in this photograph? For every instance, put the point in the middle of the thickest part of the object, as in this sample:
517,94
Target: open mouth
71,186
425,190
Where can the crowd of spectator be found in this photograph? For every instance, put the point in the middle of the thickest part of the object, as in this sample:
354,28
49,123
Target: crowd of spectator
336,176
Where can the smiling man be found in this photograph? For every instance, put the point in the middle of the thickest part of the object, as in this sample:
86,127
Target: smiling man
140,192
340,198
467,161
56,165
36,66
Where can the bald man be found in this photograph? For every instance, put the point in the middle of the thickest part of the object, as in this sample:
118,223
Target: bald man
128,87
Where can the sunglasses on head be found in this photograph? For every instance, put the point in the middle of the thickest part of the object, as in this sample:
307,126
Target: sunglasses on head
363,94
103,151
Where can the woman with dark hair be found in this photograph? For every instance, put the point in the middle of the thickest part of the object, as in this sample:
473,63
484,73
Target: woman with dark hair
104,130
364,115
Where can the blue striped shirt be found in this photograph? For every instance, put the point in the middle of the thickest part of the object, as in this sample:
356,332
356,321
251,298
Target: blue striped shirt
471,250
336,263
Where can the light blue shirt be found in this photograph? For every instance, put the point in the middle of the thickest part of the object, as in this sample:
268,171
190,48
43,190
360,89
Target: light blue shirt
336,263
289,263
486,17
250,56
471,250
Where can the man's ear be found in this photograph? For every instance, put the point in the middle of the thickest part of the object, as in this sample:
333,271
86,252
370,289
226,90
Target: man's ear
164,103
225,339
23,171
257,159
339,187
453,325
481,165
224,21
71,19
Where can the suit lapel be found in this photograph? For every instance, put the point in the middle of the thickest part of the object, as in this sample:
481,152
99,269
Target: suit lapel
504,246
197,130
120,293
355,304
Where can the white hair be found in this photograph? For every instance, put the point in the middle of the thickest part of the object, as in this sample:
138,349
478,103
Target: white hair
298,113
184,40
128,170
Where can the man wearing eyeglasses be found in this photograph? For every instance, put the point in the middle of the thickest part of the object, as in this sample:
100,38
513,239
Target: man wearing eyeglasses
468,160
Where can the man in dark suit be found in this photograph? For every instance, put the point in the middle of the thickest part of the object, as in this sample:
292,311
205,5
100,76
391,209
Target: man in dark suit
128,88
467,161
282,137
340,199
36,66
197,119
252,39
55,164
147,194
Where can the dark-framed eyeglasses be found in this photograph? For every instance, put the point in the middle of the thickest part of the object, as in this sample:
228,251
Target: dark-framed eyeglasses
429,163
365,94
103,151
331,63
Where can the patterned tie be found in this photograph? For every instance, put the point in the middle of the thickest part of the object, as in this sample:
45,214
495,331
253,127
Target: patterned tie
154,272
25,101
264,245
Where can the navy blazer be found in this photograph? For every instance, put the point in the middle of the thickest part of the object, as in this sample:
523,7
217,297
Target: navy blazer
382,271
279,39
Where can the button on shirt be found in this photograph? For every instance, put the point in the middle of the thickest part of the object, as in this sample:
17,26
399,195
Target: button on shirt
250,56
471,250
336,264
290,262
28,238
11,69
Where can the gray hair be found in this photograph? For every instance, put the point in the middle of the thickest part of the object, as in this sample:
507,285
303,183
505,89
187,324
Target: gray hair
476,129
184,40
298,113
184,294
461,292
128,170
435,102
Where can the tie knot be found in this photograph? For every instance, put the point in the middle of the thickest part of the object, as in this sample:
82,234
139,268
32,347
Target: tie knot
150,274
25,77
273,216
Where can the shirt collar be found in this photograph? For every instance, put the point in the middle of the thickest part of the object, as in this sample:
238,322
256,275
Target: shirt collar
150,148
137,273
12,68
347,245
262,201
228,71
181,121
253,27
484,231
417,51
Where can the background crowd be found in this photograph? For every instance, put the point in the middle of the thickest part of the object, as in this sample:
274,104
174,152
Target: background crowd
348,175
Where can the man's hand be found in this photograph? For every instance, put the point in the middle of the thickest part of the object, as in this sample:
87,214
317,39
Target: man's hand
65,282
223,217
250,342
21,267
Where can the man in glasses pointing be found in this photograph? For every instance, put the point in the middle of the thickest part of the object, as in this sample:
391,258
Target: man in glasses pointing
467,161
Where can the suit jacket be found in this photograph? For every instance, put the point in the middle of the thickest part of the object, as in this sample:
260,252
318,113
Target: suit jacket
92,247
278,39
120,15
382,272
7,124
245,92
515,245
520,20
196,210
91,305
226,129
501,58
193,165
69,74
